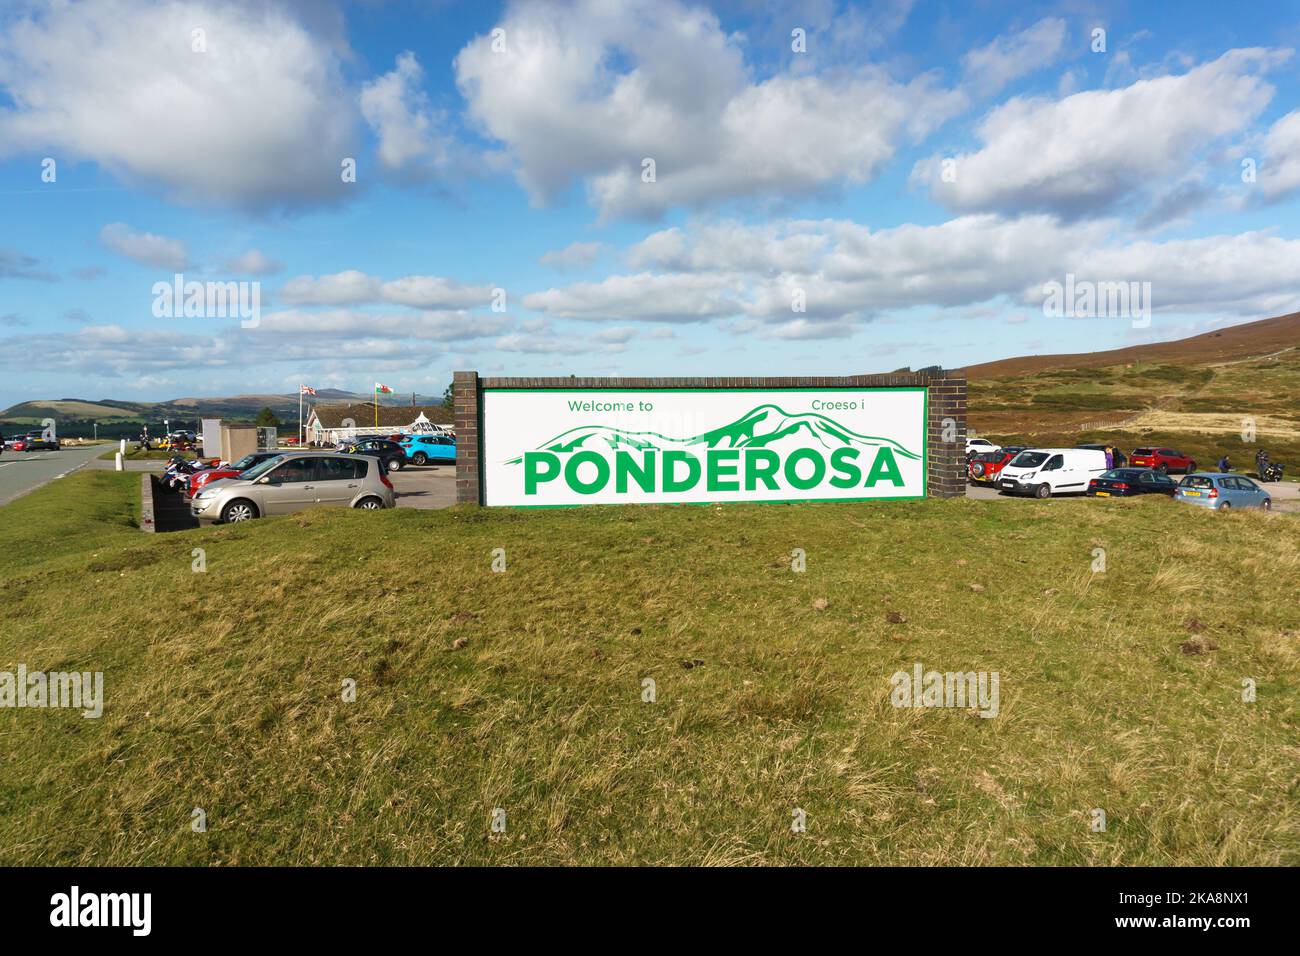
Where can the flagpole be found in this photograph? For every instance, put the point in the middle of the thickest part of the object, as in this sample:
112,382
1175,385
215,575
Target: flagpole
299,414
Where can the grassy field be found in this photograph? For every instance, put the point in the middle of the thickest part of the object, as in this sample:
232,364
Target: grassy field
523,690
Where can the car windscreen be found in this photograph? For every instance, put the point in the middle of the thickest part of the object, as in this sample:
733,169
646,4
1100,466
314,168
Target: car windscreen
258,470
1142,451
1121,474
1028,459
1196,481
248,461
989,456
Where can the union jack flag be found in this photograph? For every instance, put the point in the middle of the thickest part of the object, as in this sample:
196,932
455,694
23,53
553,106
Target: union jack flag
306,390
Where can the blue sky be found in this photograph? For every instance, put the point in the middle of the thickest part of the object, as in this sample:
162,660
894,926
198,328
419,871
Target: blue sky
896,193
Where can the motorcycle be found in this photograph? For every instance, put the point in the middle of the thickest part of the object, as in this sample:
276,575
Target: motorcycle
1272,471
176,476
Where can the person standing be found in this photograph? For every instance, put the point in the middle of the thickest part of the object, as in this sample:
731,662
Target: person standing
1261,462
1110,457
1224,465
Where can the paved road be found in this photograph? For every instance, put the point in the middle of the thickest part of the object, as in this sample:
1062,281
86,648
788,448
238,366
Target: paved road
428,486
1285,495
21,472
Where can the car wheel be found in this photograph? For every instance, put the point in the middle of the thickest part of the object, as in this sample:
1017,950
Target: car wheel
1043,491
1225,506
1268,504
420,458
239,510
370,504
395,464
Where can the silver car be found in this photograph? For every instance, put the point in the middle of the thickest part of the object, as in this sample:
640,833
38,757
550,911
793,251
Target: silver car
1222,491
295,481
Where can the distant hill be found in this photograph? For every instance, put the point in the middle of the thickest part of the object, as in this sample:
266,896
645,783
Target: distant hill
77,416
1251,340
1230,391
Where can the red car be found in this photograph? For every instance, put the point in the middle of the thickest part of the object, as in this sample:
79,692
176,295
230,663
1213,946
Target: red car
201,478
1163,460
987,465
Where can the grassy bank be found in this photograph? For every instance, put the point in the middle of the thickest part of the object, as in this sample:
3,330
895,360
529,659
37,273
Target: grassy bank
523,690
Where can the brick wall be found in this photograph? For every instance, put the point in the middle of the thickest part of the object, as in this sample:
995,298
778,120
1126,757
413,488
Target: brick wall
465,399
945,425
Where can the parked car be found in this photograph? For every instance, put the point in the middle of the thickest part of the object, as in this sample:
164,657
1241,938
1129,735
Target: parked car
1043,472
422,449
1126,482
985,466
1163,460
294,481
392,454
1117,459
1221,491
975,446
202,478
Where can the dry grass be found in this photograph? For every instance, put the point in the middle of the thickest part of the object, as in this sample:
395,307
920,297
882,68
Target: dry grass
523,690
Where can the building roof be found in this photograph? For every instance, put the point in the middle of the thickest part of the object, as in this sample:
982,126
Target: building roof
390,416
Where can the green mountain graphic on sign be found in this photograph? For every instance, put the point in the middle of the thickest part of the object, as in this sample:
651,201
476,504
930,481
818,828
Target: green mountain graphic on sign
757,428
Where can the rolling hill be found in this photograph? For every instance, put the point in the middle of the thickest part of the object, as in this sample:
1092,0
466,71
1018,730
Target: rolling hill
76,416
1225,392
1250,340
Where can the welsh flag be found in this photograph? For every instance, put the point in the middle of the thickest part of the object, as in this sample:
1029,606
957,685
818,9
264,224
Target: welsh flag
382,389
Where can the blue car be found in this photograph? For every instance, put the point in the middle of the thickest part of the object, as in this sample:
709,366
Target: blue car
422,449
1221,491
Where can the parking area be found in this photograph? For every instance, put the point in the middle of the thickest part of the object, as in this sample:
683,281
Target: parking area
1285,495
428,486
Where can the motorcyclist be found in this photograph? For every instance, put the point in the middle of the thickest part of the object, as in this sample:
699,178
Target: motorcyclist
1261,462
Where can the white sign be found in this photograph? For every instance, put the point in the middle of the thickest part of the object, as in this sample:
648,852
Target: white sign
659,446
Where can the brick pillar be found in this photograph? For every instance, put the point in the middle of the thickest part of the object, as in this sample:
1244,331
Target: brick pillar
947,445
465,398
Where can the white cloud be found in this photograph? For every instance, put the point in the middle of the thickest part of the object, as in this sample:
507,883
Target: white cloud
16,265
1086,153
411,135
452,326
643,297
253,262
846,274
260,119
145,247
617,334
353,287
576,255
586,94
990,68
1279,173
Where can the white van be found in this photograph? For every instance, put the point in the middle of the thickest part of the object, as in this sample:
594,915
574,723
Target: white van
1043,472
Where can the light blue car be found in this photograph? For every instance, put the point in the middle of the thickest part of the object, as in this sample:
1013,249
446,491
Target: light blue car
1221,491
423,449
